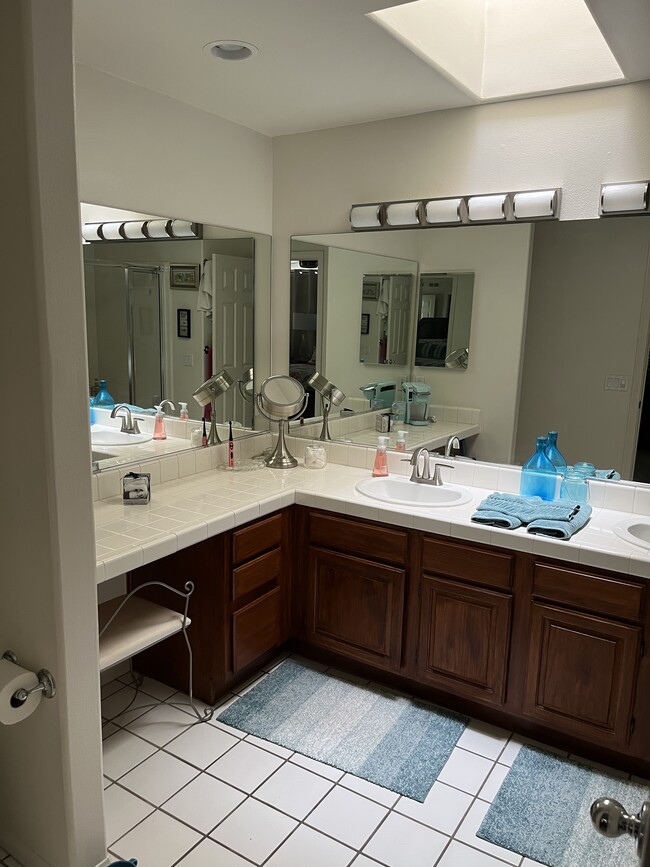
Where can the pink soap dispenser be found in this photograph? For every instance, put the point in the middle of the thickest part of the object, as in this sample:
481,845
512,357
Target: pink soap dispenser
381,460
159,432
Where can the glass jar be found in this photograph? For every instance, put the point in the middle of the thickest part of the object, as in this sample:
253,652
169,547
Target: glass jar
315,456
586,470
574,487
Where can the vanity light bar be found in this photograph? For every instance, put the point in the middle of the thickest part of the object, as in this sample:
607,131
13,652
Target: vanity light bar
632,198
141,230
521,206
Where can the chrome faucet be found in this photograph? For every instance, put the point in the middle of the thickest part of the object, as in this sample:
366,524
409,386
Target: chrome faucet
129,424
423,477
452,443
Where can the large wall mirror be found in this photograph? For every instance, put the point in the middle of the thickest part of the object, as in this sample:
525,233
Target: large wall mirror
164,315
556,321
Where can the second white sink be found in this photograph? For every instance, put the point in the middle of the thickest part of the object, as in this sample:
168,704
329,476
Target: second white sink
636,532
403,492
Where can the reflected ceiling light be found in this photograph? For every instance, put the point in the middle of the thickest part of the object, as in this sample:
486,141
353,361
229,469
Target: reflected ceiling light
438,211
535,205
365,216
403,214
230,49
486,209
141,230
630,198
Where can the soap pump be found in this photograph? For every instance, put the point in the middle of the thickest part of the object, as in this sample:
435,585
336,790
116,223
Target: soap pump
183,413
381,460
159,432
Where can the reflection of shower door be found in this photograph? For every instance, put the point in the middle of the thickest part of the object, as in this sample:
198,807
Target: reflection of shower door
232,330
123,325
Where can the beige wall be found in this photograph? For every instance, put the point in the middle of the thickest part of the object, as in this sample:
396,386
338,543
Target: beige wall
145,152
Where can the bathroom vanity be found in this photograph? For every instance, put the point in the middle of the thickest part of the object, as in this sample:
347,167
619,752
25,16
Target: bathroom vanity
506,627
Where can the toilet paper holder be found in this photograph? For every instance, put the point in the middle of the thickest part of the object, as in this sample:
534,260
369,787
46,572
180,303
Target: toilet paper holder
46,683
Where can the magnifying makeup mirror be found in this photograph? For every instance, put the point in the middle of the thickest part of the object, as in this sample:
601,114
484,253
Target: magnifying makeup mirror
208,393
281,398
246,385
458,358
332,396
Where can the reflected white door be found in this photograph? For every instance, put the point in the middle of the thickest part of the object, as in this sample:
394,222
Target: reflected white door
232,330
399,318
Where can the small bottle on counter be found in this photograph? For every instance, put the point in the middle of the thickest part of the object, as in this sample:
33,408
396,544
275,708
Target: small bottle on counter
381,460
159,432
183,413
400,444
315,456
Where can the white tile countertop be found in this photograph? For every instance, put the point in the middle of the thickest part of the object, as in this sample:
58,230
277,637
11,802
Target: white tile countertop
187,510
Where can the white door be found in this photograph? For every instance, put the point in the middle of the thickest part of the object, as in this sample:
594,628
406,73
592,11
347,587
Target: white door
50,763
399,319
233,330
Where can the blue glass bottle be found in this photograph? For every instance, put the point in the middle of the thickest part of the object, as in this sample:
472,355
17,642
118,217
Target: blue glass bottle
538,475
554,455
103,398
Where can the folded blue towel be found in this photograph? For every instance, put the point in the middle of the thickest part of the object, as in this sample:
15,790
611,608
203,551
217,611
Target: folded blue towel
496,519
562,529
559,518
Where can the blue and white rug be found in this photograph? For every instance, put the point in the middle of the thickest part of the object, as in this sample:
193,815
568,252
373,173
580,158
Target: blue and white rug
394,741
542,811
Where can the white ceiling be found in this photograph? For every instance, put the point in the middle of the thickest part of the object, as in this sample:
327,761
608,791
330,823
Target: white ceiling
321,63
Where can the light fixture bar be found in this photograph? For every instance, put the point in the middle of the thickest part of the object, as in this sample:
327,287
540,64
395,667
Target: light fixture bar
141,230
519,206
629,198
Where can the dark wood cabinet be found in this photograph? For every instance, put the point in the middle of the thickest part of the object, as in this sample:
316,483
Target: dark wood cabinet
582,672
464,638
355,607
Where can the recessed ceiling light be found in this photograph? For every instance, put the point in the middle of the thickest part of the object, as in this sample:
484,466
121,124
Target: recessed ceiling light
230,49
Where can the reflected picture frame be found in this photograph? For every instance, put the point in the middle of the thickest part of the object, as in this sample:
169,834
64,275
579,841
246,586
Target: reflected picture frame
365,323
184,276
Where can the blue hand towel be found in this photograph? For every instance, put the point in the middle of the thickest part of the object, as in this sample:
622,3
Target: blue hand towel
565,528
560,518
496,519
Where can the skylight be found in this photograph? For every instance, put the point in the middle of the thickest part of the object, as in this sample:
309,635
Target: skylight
496,49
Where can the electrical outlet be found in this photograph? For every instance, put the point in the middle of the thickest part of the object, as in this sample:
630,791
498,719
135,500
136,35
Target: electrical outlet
616,382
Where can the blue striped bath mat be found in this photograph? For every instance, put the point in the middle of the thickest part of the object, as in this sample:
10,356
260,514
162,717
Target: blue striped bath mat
542,811
394,741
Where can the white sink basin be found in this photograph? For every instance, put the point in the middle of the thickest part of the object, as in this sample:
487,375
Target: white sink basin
635,531
403,492
108,436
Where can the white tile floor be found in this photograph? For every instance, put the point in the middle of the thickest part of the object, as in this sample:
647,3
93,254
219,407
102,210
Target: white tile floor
207,795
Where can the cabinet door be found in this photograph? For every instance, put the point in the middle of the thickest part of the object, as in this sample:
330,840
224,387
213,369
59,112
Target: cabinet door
464,638
355,607
581,674
256,629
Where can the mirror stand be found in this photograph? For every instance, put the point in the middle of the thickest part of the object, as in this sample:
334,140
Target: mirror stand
213,436
325,431
281,459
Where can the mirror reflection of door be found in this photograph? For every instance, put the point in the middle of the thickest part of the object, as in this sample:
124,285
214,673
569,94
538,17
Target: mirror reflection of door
385,318
303,337
444,317
233,336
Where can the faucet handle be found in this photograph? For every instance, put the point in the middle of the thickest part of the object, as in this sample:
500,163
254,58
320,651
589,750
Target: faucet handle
437,480
136,426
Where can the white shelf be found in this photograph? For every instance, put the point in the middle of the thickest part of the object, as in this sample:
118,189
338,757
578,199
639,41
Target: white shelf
139,625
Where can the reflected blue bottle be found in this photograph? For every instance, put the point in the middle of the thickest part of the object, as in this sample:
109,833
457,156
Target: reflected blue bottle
538,475
554,455
103,398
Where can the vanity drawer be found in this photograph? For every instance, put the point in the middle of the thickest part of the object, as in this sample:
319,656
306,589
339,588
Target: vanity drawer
260,571
469,564
254,540
595,593
362,540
